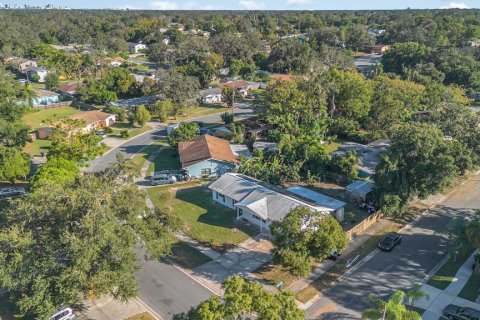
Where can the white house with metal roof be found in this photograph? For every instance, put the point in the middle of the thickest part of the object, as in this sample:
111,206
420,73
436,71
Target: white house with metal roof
255,202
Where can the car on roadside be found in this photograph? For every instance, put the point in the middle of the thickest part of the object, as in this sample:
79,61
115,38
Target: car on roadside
454,312
101,134
11,192
64,314
23,81
390,241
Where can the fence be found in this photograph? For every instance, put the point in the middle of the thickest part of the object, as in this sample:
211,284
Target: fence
364,225
52,105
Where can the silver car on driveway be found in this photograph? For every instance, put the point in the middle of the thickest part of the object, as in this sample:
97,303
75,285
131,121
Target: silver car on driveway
11,192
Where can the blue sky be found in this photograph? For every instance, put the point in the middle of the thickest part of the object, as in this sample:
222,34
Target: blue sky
258,4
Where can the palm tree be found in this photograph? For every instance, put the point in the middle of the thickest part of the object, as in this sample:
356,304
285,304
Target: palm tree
415,294
29,94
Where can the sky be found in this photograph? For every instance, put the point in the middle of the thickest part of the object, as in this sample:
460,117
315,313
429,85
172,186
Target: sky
256,4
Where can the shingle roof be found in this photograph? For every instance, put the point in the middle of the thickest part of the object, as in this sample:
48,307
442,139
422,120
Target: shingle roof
203,148
92,116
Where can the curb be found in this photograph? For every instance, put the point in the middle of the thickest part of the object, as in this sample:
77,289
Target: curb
150,310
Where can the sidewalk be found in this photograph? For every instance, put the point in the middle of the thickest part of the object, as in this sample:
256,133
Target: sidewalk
107,308
438,299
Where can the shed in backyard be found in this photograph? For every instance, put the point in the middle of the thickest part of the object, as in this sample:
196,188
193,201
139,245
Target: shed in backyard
360,191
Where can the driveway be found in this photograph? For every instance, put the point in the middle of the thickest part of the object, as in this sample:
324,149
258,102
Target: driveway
423,247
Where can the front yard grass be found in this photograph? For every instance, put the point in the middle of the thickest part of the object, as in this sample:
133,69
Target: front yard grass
141,316
446,274
166,159
471,290
187,256
133,131
139,159
203,220
200,110
37,119
275,274
36,147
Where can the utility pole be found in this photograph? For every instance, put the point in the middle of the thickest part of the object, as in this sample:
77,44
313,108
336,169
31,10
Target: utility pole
233,95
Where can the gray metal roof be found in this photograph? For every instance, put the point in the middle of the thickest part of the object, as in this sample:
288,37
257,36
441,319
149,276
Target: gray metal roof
264,202
318,198
362,186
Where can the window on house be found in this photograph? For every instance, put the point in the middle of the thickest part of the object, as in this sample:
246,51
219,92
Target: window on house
256,218
240,212
216,195
264,221
206,172
223,197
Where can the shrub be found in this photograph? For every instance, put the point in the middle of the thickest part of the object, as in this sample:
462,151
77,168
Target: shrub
124,134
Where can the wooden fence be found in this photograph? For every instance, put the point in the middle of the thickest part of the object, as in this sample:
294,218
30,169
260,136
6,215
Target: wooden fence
364,225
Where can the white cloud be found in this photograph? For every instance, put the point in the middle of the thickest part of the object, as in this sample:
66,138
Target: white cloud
456,5
252,5
163,5
192,5
129,7
298,2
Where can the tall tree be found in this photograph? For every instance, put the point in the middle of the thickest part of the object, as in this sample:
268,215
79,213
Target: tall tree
14,164
393,309
142,116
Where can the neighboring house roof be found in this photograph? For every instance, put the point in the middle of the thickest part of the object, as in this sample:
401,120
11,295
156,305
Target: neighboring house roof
363,187
204,148
45,93
240,150
211,91
318,198
37,69
70,87
258,198
237,84
92,116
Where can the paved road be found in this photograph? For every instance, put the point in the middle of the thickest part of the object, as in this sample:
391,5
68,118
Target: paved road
162,286
134,145
423,247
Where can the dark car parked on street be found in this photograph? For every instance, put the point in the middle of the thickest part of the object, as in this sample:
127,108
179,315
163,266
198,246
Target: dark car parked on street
454,312
390,241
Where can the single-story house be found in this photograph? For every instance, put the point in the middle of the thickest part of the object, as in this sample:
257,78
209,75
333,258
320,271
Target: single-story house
377,32
134,102
136,47
335,207
265,145
222,132
37,74
240,86
45,97
380,48
360,191
256,203
95,120
370,154
116,62
21,64
211,95
240,150
69,89
206,156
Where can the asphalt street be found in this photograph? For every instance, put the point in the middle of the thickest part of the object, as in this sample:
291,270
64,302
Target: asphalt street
162,286
423,247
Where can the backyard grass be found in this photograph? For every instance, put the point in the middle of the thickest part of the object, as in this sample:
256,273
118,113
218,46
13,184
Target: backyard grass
141,316
471,290
446,274
203,220
187,256
36,147
332,146
166,159
36,119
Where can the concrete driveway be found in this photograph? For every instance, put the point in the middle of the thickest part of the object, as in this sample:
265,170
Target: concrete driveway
423,247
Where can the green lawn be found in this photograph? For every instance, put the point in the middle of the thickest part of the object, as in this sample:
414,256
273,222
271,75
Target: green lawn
471,289
203,220
132,130
446,274
166,159
332,146
274,274
187,256
140,158
201,110
36,119
37,146
141,316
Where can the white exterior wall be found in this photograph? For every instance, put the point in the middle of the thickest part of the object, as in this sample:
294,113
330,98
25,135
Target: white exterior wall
249,216
229,202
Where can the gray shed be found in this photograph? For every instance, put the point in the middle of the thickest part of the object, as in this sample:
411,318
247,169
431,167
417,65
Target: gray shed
359,190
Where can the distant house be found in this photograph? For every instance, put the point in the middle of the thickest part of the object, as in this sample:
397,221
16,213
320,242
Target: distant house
45,97
69,89
240,150
335,207
380,49
37,74
360,191
265,145
222,132
95,120
212,95
377,32
224,71
136,47
206,156
134,102
258,203
166,41
370,154
116,62
21,64
240,86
